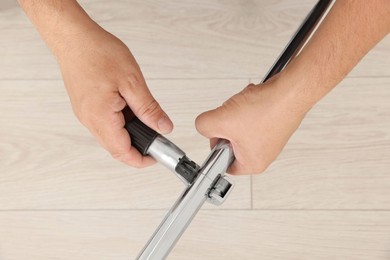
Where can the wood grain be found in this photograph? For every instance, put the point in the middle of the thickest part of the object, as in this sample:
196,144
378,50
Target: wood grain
49,161
179,39
339,158
215,235
63,197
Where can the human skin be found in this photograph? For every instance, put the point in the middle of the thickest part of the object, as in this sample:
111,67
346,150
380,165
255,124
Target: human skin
260,119
100,74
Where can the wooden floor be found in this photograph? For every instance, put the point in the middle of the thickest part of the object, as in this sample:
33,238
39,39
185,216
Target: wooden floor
63,197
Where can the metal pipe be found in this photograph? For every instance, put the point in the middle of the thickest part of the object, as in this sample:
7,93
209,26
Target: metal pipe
211,183
189,203
301,37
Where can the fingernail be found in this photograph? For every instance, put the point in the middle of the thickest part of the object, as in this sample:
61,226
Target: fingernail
165,125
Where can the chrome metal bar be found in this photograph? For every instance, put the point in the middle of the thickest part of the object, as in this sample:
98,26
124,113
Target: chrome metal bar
301,37
188,204
211,183
167,153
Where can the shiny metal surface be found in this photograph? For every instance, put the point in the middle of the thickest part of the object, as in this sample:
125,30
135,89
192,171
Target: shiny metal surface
188,204
220,190
301,37
211,183
166,153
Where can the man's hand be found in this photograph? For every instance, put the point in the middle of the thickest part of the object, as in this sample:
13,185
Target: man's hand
258,122
100,75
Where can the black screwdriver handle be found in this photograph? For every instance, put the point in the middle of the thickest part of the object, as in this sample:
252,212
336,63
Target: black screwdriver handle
164,151
142,136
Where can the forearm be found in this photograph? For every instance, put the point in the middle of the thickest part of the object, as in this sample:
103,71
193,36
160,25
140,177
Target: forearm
59,22
349,31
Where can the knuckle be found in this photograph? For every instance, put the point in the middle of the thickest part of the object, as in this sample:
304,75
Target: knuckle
133,79
117,156
249,92
250,86
126,159
233,104
118,103
132,82
149,109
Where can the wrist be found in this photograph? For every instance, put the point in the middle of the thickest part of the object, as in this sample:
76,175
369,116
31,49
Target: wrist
76,37
71,31
60,23
297,93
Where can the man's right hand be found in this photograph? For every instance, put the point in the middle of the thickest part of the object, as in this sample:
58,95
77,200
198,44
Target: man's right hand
100,75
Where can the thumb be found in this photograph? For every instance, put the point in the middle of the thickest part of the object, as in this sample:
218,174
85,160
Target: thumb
144,106
211,123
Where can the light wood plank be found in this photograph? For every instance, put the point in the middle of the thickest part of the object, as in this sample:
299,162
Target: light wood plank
179,39
49,161
339,158
213,235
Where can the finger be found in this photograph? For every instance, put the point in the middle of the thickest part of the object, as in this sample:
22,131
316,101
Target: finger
117,141
213,142
108,127
131,155
143,104
211,123
236,168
